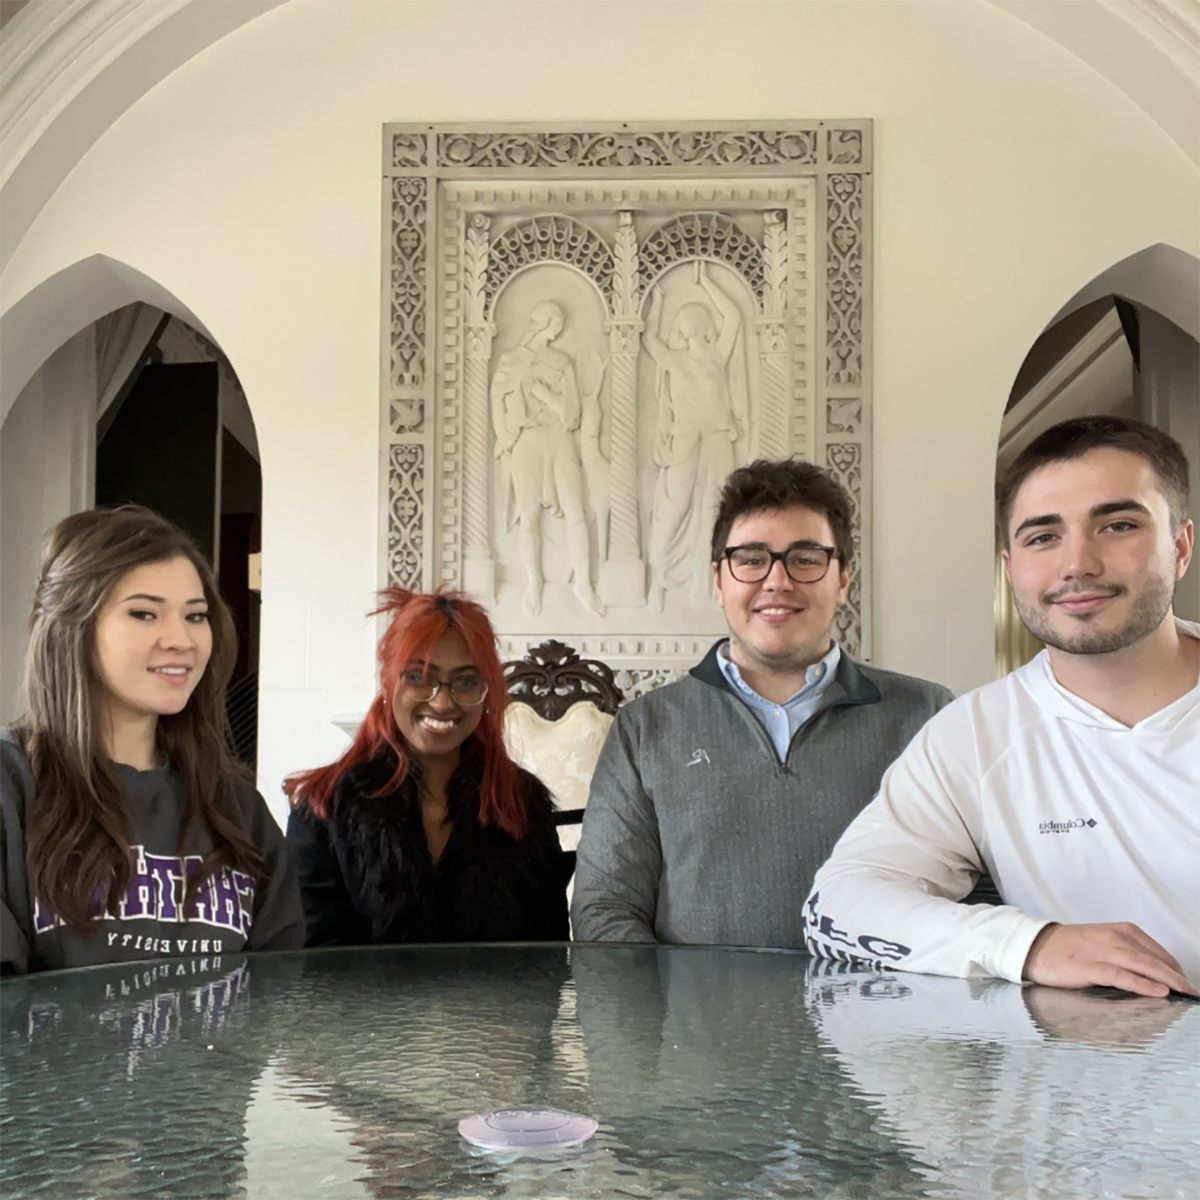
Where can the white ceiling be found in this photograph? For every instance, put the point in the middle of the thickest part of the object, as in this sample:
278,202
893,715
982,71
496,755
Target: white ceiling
1148,49
70,68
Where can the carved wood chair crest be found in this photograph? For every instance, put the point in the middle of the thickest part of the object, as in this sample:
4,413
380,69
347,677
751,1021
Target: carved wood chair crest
552,677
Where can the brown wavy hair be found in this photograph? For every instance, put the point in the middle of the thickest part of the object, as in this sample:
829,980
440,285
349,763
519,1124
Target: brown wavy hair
77,835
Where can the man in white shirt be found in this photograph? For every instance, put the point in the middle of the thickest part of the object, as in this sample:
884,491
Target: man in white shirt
1075,781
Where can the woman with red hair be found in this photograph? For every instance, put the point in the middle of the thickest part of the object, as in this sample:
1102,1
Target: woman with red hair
425,830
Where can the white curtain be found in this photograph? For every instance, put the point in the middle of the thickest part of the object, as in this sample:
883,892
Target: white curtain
122,338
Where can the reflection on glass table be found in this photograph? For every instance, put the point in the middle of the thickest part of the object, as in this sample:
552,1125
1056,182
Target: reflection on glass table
344,1073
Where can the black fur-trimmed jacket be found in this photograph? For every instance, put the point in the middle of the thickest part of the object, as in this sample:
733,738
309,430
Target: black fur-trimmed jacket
366,876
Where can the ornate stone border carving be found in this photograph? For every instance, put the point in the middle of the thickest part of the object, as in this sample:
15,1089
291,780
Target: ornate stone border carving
623,148
469,208
548,237
709,235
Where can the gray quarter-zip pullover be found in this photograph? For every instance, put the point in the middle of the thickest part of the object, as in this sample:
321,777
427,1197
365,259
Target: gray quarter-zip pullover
696,832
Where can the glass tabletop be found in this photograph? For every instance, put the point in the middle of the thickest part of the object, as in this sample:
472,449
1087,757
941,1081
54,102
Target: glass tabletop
711,1073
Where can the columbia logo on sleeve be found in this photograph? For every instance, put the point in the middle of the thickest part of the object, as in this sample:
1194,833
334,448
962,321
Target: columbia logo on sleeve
1068,826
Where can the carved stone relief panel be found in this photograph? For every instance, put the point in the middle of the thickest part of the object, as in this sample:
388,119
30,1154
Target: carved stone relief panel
618,362
586,331
846,411
406,535
407,388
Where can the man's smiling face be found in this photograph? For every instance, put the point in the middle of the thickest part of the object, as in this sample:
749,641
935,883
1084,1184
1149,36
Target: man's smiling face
1093,557
778,625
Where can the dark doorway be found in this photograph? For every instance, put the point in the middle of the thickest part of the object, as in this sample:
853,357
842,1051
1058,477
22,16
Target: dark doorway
240,544
166,447
160,449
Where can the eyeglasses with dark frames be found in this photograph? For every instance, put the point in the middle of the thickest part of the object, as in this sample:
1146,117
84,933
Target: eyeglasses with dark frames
466,690
805,562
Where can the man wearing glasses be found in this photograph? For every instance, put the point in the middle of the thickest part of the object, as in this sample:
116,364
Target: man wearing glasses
716,798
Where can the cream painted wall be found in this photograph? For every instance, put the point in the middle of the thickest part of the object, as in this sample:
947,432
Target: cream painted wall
1008,175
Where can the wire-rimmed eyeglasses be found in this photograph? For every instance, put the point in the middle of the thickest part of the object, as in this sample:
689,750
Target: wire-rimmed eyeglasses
805,562
467,690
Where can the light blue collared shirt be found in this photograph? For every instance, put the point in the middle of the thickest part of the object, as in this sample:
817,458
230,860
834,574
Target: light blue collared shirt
782,720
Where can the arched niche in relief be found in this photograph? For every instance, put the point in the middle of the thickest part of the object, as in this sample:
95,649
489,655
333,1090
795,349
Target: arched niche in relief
549,403
698,388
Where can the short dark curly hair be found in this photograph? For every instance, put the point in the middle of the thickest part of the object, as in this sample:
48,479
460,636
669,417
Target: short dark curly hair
787,483
1077,437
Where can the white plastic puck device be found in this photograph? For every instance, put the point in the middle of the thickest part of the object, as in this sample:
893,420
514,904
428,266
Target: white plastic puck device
526,1128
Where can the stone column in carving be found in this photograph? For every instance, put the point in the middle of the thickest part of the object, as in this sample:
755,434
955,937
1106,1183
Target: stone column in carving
623,575
772,437
479,567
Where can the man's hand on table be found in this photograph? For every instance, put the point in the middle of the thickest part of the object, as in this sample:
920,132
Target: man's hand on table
1116,955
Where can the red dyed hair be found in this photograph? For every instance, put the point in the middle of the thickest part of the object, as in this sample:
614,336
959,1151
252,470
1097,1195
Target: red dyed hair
420,621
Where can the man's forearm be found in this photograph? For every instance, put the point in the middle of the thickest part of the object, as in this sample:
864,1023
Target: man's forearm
865,915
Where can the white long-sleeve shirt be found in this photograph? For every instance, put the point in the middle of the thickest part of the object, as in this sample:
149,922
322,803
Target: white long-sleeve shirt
1078,818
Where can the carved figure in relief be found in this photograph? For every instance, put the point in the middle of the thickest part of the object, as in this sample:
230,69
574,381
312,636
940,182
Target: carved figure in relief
536,413
597,471
703,408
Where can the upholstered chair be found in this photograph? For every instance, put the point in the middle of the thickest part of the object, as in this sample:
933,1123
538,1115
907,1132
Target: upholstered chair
560,709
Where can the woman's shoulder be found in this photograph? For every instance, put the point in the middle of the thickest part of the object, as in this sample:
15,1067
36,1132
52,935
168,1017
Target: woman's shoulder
357,792
12,744
366,777
252,808
363,787
16,776
10,735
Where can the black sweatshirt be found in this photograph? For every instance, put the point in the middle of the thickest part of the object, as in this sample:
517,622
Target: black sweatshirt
230,912
367,877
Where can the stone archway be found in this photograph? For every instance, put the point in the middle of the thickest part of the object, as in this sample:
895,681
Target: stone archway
52,313
91,380
1159,277
1126,344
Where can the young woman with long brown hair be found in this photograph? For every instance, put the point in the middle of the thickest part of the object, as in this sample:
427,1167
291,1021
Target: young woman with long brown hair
425,830
126,831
